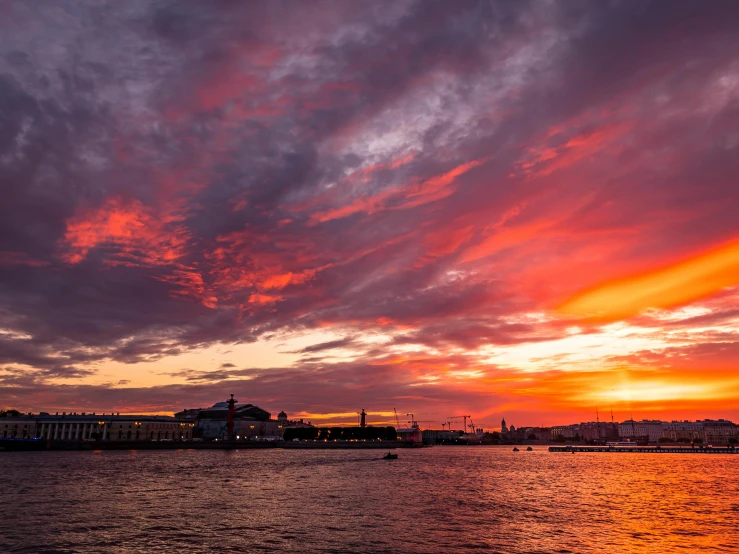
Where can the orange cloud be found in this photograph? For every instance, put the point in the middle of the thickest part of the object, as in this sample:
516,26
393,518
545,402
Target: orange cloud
136,235
141,238
444,241
596,137
416,194
263,299
247,269
437,187
666,287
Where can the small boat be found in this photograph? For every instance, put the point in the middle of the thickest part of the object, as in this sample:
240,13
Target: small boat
529,449
390,456
515,449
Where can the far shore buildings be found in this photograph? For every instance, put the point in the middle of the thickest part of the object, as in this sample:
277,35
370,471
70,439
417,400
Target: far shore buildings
706,431
251,423
709,431
653,431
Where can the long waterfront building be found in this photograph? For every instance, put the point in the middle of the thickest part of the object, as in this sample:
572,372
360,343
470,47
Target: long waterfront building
251,422
107,427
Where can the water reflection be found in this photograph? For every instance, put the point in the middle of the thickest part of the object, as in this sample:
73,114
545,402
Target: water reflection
442,499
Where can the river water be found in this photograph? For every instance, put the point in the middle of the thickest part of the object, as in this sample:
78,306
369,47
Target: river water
440,499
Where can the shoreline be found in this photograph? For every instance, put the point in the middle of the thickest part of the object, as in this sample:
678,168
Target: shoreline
21,445
45,445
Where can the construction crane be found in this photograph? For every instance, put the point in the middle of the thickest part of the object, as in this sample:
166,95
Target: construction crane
397,421
464,417
413,421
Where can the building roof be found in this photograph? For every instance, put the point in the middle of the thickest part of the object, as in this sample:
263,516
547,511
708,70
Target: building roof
83,418
241,411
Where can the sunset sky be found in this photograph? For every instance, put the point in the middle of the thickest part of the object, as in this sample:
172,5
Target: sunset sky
519,209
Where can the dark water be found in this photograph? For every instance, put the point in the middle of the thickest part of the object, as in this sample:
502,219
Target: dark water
442,499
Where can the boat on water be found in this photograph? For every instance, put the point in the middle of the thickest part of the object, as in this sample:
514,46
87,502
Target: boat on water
515,449
529,449
390,456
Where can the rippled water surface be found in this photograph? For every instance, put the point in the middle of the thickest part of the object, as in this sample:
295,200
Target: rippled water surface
441,499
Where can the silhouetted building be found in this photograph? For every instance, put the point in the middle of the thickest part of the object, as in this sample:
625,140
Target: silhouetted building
683,431
599,431
534,433
410,434
250,422
566,431
435,436
90,427
648,429
719,431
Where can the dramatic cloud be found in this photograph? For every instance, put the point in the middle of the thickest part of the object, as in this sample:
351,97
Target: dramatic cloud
676,285
518,207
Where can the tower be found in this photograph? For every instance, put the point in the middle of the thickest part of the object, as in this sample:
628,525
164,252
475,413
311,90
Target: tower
363,422
503,427
230,420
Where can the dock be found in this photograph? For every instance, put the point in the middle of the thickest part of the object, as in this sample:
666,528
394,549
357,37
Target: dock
645,449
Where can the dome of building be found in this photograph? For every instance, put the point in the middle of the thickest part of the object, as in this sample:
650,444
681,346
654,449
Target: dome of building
282,415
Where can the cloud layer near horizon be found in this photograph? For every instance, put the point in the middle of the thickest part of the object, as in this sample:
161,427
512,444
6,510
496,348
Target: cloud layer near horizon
322,206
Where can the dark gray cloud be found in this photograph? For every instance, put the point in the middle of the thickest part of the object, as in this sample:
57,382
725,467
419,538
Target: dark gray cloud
328,345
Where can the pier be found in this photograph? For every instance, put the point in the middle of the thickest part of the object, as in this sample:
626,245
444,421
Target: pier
645,449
